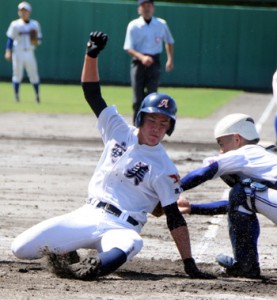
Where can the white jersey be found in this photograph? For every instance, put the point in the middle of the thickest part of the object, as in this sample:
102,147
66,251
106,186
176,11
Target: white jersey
126,164
19,32
250,161
147,38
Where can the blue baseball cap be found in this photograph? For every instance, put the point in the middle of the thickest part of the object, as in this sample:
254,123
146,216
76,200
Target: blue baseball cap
145,1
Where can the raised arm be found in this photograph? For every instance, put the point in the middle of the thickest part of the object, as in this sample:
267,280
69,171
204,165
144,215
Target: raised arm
90,74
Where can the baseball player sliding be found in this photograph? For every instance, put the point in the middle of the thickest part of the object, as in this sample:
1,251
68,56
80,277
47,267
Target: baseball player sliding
133,175
24,35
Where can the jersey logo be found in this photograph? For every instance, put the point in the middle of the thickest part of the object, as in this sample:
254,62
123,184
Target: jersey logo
175,177
118,150
137,172
163,103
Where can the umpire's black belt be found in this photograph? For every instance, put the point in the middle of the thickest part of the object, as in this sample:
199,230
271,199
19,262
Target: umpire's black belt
115,211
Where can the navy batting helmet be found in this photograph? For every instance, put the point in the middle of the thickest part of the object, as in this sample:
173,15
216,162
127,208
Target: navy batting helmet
158,103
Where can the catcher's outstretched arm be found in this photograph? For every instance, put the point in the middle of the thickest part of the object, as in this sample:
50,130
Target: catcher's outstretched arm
198,176
211,208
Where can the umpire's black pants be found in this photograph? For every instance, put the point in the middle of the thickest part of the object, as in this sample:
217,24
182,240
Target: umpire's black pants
144,80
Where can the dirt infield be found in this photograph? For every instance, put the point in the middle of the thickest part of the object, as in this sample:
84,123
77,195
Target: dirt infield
46,163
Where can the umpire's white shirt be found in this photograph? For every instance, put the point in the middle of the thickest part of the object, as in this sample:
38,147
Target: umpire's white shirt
147,38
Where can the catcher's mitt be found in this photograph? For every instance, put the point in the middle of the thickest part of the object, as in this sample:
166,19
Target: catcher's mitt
34,37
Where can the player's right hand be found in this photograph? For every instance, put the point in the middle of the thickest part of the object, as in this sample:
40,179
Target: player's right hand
8,55
96,43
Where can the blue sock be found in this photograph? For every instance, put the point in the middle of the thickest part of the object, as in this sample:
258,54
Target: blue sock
36,87
16,87
111,260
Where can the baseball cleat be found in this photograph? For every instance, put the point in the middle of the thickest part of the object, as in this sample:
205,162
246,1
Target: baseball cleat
235,270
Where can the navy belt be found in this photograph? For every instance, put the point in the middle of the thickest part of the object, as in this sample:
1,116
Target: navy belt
115,211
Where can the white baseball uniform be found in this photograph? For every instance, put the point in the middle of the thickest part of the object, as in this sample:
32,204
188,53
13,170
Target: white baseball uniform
255,162
131,177
23,56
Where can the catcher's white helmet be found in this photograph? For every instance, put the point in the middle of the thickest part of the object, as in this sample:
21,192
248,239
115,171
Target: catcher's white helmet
238,123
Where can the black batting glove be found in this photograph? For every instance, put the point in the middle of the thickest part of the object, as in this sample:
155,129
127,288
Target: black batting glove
96,43
192,270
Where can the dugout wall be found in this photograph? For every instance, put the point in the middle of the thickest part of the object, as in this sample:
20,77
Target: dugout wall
216,46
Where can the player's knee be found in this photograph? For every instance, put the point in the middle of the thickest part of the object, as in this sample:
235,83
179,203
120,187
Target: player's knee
134,248
138,244
18,249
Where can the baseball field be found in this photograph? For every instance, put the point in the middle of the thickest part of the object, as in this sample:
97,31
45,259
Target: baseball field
47,159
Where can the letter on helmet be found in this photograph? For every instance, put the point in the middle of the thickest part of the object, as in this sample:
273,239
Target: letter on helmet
158,103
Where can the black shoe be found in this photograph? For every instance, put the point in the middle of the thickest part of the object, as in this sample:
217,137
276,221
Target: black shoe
235,270
16,98
37,99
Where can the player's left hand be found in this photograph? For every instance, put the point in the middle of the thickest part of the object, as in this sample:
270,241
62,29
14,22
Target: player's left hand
96,43
192,270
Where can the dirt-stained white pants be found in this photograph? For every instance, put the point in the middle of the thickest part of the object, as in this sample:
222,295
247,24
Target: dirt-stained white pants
87,227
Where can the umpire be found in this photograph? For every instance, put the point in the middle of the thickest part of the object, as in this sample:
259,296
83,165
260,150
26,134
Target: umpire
144,43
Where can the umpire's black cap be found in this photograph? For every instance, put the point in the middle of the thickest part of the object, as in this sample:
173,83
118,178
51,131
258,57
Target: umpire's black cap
144,1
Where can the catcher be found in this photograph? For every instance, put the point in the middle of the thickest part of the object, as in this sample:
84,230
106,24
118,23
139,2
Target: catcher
24,35
250,170
134,173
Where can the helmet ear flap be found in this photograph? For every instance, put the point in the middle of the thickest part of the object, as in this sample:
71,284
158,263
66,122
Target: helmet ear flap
171,128
139,119
157,103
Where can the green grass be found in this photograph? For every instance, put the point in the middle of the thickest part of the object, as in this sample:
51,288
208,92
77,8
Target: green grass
62,98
